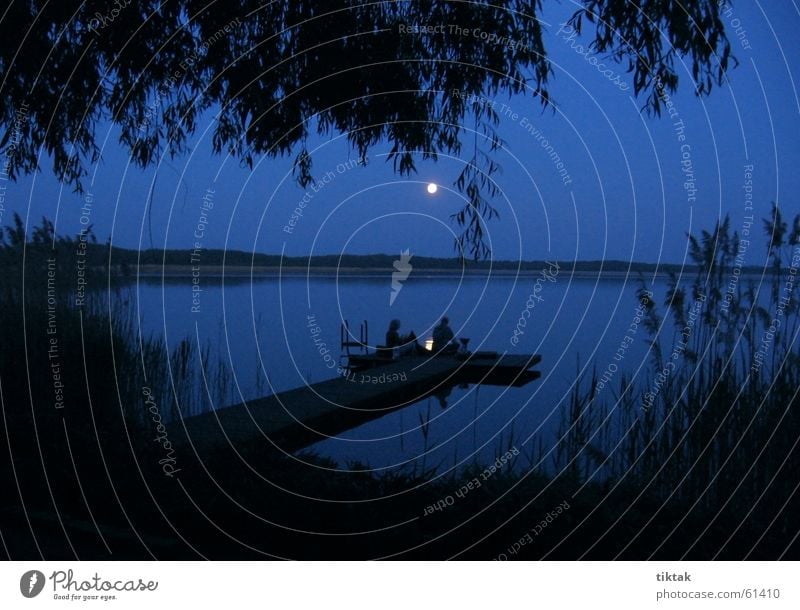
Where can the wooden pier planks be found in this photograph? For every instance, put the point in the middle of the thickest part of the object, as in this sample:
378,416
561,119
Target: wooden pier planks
302,416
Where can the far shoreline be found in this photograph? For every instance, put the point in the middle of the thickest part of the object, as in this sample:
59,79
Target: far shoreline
267,272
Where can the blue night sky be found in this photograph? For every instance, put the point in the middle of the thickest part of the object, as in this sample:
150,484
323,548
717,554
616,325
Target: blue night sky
626,199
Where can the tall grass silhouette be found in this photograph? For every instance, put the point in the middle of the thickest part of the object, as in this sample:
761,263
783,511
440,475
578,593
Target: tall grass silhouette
719,436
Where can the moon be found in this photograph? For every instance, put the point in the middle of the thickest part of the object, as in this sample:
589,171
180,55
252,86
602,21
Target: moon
432,188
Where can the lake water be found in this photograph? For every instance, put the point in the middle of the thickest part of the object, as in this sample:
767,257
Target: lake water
261,331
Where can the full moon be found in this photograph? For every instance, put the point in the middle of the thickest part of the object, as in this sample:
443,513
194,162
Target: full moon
432,188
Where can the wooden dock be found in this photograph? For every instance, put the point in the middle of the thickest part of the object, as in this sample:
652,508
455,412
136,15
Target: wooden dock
297,418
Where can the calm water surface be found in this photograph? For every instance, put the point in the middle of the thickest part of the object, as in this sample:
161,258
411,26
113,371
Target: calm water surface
260,330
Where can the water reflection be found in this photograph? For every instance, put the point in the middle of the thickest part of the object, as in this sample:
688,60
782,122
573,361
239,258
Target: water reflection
253,329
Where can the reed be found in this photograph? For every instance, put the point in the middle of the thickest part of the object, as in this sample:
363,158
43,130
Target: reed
89,347
716,432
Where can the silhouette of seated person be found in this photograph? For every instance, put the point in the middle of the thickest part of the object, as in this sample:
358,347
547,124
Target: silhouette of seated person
406,344
443,338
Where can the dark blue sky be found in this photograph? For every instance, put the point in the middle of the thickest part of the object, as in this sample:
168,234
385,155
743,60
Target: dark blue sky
625,199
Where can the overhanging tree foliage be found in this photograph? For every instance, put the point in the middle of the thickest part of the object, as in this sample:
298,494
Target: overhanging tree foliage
272,72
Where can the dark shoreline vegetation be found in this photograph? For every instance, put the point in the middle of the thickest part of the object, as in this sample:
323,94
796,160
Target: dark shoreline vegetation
123,262
709,469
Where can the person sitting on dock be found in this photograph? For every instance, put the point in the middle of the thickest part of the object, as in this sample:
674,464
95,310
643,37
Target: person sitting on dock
443,337
406,344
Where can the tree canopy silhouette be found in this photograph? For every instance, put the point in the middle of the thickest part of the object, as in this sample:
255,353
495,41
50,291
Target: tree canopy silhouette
271,73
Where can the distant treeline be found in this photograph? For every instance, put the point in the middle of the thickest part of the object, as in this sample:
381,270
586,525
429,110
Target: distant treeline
128,259
91,255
